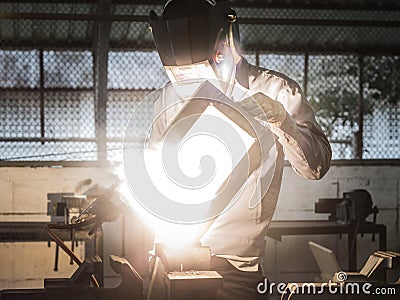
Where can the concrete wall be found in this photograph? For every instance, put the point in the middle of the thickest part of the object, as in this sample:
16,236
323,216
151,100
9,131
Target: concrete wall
24,196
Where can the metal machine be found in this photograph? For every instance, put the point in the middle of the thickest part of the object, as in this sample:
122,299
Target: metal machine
354,206
86,281
65,207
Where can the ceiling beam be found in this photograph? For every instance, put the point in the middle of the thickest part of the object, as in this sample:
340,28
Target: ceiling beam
256,21
366,5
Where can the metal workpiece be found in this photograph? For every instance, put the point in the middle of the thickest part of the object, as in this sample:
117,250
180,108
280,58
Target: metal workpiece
197,285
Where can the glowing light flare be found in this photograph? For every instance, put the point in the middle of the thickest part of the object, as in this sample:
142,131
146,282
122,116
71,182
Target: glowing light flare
188,159
163,172
195,145
171,234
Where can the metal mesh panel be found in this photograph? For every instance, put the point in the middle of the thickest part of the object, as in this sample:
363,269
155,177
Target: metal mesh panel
135,70
49,117
290,65
49,151
19,114
68,69
69,115
123,107
381,107
131,77
49,102
19,69
251,58
308,29
333,91
130,35
381,132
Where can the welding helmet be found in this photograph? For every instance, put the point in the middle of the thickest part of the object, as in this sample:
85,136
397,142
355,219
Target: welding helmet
197,40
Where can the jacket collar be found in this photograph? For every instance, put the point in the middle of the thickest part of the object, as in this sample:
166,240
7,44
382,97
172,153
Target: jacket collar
242,73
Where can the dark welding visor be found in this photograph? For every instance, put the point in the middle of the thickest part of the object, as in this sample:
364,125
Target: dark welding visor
191,40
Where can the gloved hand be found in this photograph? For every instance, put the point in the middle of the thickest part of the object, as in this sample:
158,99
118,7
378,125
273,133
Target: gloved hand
263,108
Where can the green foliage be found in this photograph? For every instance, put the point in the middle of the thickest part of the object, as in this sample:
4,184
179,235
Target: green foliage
382,77
334,87
333,91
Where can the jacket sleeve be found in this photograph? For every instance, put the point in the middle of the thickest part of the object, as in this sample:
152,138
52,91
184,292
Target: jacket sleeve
304,143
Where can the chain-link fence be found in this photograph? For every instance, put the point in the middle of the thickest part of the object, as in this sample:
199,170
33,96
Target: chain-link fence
50,108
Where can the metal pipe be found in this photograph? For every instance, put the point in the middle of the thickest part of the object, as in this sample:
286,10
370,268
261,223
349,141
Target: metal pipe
359,135
56,258
100,72
71,262
257,21
60,243
41,89
305,83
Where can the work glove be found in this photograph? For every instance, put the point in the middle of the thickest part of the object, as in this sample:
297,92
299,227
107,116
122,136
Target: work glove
264,109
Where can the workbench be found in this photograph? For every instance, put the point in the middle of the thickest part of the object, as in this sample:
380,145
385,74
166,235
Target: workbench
277,229
13,232
33,232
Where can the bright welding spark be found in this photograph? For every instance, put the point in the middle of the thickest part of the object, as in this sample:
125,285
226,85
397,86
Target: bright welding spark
196,144
171,180
171,234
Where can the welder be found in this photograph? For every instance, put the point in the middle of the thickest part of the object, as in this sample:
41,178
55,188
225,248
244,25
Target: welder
200,39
